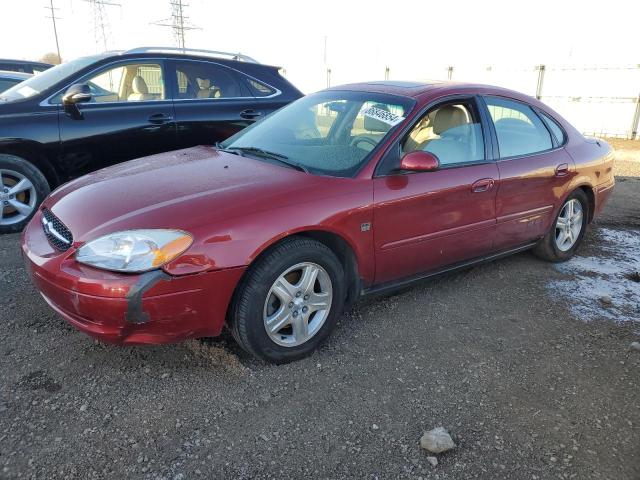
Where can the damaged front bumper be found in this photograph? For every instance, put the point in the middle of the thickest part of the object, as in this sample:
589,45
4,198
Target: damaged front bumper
153,307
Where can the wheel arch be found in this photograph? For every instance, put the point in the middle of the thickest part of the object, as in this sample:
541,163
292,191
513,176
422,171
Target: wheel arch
339,245
34,153
589,192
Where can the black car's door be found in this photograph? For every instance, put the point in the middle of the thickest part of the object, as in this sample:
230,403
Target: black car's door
130,115
212,101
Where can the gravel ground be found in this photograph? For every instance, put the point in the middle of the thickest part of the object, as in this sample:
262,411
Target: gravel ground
527,389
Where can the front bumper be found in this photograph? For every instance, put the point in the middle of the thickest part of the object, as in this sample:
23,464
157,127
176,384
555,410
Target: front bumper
128,309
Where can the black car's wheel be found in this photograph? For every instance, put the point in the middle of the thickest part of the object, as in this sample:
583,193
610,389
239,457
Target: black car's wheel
567,230
22,189
289,301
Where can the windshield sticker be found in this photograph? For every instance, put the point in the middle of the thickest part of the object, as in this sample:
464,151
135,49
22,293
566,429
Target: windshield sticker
382,115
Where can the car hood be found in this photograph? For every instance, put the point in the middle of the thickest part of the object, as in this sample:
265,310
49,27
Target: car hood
186,189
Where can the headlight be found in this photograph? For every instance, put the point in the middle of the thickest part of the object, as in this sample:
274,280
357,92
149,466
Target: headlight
134,250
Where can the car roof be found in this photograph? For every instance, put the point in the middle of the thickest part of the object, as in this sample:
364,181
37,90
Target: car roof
15,75
420,90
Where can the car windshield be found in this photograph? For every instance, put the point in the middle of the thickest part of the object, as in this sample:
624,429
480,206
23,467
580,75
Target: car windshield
45,80
327,133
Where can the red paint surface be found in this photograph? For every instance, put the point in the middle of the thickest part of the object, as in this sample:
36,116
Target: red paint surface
236,207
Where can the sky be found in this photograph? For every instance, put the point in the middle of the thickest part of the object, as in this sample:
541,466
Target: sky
414,39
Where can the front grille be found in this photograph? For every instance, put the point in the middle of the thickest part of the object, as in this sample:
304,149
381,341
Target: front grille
57,233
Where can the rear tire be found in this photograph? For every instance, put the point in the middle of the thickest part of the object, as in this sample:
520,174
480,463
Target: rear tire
22,189
563,238
281,311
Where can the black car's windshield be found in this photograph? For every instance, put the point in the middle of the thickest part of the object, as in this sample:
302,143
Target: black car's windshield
43,81
329,133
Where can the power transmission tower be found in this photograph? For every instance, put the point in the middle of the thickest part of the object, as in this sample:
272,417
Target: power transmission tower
55,29
101,28
178,22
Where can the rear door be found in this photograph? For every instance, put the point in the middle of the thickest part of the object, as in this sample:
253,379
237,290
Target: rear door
129,116
534,172
212,101
424,221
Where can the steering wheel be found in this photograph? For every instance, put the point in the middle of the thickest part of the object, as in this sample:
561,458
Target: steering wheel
360,139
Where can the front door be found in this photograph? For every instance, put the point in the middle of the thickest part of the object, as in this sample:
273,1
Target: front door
129,116
425,221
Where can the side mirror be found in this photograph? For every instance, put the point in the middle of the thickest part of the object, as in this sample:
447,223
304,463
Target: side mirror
77,93
419,161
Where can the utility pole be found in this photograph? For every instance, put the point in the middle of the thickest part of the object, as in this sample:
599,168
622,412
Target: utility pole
178,22
101,22
55,29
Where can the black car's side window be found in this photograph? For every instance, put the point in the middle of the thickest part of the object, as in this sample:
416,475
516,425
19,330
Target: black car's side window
132,82
202,80
452,132
519,130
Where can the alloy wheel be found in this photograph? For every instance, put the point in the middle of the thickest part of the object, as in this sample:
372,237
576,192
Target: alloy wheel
18,197
297,304
569,225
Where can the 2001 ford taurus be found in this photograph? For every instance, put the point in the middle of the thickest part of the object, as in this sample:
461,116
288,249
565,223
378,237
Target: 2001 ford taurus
351,190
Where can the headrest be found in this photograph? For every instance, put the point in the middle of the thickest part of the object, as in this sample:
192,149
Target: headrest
204,83
448,117
139,85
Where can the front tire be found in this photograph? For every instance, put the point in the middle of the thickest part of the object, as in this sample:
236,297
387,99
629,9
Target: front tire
567,230
22,189
289,301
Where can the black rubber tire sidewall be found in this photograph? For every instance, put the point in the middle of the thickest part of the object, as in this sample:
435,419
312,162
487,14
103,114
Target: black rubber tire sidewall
22,166
547,248
246,320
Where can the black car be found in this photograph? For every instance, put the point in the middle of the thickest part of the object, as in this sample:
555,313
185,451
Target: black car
24,66
96,111
9,79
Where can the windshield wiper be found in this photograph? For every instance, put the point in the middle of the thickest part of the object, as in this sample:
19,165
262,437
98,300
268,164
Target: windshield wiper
271,155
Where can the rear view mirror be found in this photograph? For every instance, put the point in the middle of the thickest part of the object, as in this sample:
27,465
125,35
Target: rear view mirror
419,161
77,93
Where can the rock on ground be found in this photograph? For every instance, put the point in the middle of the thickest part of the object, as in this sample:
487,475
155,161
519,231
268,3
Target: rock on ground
437,440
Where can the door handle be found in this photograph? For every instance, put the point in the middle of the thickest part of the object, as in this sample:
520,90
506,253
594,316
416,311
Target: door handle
562,170
250,114
160,118
482,185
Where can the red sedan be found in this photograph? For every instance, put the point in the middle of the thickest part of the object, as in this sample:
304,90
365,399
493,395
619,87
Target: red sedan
352,190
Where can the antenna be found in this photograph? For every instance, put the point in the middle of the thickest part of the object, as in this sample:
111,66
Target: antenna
55,29
101,29
178,22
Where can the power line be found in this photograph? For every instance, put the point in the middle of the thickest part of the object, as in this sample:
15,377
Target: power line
101,28
178,22
53,18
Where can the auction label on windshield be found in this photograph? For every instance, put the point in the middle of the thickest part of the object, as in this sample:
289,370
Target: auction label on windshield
382,115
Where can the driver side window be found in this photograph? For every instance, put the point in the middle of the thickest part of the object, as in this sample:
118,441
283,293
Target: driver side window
133,82
452,132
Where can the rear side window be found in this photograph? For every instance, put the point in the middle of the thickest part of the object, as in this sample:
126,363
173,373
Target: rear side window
554,127
202,80
520,131
259,89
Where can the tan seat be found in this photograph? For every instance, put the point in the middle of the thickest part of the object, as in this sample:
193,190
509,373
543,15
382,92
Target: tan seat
140,90
453,145
204,88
